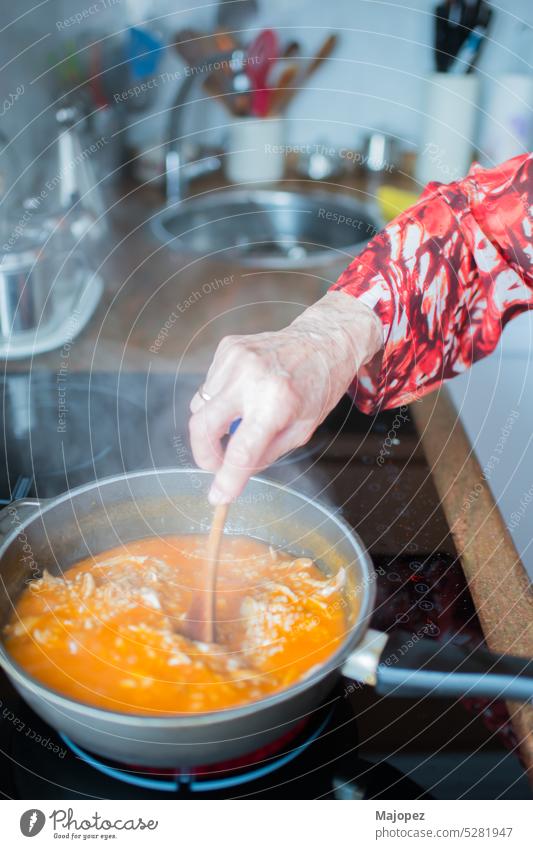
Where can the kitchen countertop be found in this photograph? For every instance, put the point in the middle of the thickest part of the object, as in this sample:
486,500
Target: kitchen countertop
496,577
147,285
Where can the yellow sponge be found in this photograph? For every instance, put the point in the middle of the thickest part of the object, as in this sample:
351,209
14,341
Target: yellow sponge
392,201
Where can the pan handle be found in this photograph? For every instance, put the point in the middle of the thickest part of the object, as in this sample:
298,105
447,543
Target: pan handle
14,514
403,664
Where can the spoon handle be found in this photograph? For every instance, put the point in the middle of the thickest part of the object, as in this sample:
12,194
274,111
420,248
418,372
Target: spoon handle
200,622
214,543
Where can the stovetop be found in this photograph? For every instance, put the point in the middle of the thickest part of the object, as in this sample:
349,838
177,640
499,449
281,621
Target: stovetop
61,430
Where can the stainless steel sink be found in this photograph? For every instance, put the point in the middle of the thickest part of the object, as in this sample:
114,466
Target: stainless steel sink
268,229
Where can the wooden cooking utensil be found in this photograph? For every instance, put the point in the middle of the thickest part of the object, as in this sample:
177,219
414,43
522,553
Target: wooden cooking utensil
326,49
199,623
193,46
292,48
281,89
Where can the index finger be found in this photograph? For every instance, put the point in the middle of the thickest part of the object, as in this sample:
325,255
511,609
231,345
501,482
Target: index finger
208,426
243,457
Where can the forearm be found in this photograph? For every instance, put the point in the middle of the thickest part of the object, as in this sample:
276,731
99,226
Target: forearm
443,279
349,333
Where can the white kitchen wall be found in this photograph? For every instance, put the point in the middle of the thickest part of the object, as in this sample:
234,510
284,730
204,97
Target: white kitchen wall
376,76
495,402
493,391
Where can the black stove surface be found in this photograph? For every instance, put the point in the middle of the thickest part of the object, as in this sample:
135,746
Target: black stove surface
60,433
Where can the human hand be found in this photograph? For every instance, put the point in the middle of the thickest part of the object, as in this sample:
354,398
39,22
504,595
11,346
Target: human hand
282,385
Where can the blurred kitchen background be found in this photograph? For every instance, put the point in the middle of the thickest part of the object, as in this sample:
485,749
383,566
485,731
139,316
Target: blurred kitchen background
115,111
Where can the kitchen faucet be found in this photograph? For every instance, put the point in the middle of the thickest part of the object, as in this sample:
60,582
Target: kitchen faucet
178,172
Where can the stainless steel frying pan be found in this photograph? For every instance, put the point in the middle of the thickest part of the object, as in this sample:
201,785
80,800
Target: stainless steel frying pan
91,518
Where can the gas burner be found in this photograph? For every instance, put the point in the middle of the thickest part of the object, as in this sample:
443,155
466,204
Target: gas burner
21,489
223,777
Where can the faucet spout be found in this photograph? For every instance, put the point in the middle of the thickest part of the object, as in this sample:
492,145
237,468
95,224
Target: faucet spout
176,170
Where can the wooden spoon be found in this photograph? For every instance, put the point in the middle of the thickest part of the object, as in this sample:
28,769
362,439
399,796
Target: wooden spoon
199,623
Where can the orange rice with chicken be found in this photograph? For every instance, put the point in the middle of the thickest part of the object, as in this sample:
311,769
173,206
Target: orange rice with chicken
107,631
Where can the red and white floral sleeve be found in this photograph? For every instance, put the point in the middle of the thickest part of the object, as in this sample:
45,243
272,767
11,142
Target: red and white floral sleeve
444,278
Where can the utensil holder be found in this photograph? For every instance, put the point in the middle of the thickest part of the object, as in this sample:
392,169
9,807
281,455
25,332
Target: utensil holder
449,124
255,150
507,128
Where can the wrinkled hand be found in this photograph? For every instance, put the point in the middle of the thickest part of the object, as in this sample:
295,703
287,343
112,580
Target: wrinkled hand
282,384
